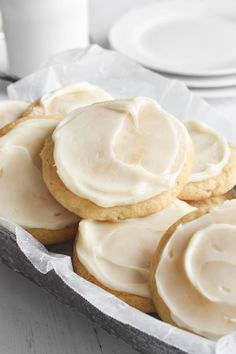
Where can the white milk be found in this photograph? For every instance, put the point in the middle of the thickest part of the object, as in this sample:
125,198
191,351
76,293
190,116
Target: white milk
37,29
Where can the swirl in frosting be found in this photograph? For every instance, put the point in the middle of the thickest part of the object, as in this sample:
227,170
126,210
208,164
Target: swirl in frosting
196,273
212,151
70,97
119,254
120,152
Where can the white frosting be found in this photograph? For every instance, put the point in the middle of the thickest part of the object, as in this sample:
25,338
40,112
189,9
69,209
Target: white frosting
196,273
120,152
11,110
119,254
68,98
24,197
212,151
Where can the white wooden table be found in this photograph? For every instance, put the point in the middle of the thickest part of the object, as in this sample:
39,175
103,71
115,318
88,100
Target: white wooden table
31,320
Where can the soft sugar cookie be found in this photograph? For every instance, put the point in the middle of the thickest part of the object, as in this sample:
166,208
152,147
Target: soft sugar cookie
64,100
117,160
192,274
211,202
10,110
214,168
24,197
116,256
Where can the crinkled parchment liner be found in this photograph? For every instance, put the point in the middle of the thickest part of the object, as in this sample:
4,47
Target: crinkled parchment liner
121,77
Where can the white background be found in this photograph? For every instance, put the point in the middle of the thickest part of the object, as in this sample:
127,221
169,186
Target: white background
32,321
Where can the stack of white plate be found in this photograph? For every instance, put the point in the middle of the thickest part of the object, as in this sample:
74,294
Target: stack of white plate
192,41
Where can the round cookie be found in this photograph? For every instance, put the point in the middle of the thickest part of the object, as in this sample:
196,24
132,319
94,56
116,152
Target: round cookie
11,110
161,308
33,110
216,176
198,301
11,125
66,99
25,203
212,187
210,202
116,256
139,302
88,209
50,237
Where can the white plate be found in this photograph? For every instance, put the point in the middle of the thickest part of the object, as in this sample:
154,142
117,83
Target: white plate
216,93
181,37
205,82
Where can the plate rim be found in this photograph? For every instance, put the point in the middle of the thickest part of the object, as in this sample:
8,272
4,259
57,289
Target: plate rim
213,82
214,93
199,4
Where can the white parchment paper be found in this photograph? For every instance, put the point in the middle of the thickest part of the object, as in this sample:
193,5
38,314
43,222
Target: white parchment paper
121,77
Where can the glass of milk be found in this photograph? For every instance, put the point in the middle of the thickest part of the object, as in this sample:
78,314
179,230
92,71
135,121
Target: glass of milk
38,29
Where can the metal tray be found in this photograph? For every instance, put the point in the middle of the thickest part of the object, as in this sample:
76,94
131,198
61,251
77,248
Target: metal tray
11,255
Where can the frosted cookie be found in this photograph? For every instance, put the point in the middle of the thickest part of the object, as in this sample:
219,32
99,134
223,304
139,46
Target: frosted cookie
193,272
116,256
117,160
63,101
10,110
211,202
214,168
24,197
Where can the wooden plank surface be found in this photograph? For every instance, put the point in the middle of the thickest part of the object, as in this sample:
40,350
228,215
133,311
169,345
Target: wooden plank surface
33,322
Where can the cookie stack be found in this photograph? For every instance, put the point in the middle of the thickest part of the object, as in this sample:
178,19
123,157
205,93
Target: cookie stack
24,197
130,170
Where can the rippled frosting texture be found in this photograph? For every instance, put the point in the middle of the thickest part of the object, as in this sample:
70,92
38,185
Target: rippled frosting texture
212,151
196,273
24,197
68,98
11,110
119,254
120,152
